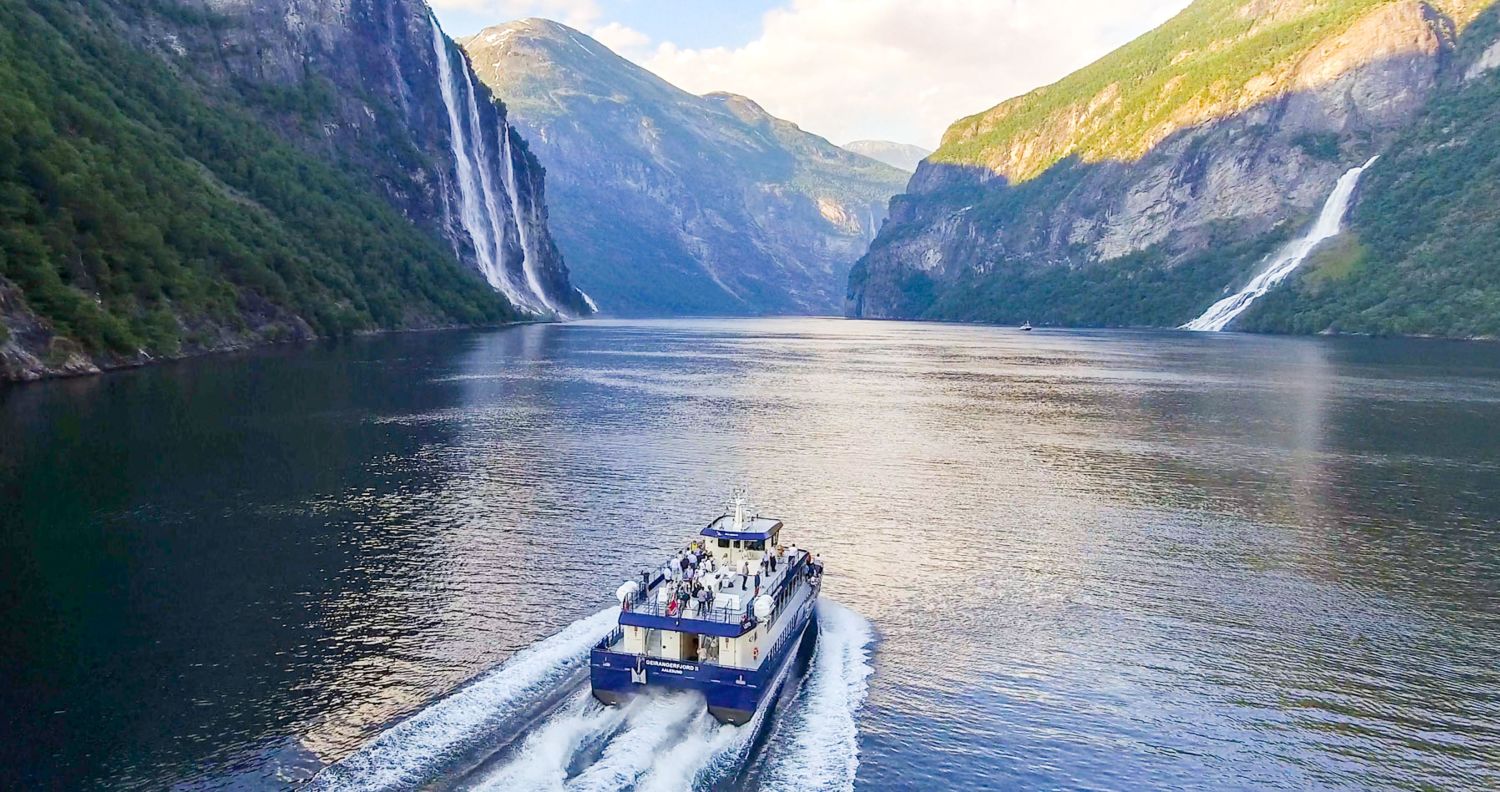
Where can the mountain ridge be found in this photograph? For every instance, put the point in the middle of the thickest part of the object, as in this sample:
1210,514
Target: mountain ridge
897,155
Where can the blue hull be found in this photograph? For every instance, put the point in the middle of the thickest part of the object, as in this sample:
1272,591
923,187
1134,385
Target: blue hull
734,694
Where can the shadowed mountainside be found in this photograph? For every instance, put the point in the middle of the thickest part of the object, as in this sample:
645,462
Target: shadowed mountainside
667,202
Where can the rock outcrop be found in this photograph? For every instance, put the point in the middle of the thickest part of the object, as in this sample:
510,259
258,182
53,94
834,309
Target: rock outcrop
670,203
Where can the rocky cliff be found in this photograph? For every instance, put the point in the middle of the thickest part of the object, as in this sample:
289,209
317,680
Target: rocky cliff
1140,189
1418,256
671,203
192,175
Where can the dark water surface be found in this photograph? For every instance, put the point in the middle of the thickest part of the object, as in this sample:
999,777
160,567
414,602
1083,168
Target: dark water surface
1088,560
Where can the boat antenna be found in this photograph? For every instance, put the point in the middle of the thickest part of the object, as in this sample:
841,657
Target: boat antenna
739,508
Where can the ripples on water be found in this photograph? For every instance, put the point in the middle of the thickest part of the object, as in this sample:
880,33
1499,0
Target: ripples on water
1108,560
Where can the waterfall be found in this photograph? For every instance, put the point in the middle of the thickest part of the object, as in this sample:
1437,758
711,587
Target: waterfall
1221,313
528,256
479,211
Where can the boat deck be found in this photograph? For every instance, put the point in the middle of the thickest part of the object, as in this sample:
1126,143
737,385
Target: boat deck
734,594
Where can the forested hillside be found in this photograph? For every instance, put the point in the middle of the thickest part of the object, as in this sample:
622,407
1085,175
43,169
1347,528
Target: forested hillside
185,177
1422,254
1146,186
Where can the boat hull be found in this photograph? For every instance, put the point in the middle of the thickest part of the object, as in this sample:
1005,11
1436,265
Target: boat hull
733,694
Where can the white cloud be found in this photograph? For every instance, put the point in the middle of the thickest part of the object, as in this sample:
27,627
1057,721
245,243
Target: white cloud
896,69
622,39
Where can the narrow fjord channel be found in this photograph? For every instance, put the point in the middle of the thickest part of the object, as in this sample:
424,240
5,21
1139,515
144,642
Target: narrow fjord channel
1056,560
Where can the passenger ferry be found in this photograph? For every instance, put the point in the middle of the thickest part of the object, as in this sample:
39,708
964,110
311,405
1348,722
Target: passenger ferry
722,617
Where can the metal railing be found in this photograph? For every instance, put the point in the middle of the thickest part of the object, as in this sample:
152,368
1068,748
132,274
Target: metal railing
692,610
646,601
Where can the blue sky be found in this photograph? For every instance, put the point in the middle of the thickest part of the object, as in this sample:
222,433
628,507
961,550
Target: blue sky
701,23
847,69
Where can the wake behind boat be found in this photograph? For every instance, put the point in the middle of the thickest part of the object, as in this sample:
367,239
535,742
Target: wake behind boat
722,617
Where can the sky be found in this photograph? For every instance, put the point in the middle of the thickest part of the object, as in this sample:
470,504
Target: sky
899,70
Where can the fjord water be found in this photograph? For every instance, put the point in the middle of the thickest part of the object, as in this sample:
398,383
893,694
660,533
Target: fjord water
1096,560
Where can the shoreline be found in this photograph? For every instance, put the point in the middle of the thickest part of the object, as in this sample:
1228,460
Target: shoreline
1483,339
79,366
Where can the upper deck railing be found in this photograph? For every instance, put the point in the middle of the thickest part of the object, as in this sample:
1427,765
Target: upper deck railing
646,602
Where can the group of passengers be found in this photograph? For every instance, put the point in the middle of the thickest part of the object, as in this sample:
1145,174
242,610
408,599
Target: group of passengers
693,576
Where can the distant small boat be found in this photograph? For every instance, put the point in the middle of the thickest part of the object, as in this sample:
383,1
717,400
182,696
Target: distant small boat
1026,328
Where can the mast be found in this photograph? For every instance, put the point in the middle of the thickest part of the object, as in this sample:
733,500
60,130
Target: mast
739,509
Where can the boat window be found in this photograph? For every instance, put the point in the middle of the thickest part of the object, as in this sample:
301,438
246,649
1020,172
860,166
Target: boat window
758,544
723,543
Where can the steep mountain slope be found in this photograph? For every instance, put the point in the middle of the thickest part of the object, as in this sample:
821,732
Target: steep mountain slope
184,177
897,155
674,203
1139,189
1420,256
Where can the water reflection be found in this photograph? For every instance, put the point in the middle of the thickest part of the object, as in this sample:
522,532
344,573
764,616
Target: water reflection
1093,559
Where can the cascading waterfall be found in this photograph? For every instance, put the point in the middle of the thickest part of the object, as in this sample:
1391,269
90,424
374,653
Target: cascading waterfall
492,202
479,209
528,257
1287,260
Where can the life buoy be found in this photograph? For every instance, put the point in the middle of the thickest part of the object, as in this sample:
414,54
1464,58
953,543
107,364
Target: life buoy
755,653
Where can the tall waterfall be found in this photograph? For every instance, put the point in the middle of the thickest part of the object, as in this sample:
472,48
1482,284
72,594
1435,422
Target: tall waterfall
528,256
479,206
1287,260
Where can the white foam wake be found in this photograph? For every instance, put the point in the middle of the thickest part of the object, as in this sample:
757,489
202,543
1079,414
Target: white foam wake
418,748
542,761
823,750
654,724
706,746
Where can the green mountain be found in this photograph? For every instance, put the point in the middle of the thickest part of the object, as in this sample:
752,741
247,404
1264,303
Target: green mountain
667,202
178,178
1420,256
1141,189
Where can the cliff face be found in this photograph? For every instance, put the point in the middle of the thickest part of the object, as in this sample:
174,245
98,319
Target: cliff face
1136,191
312,168
670,203
1418,256
398,84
